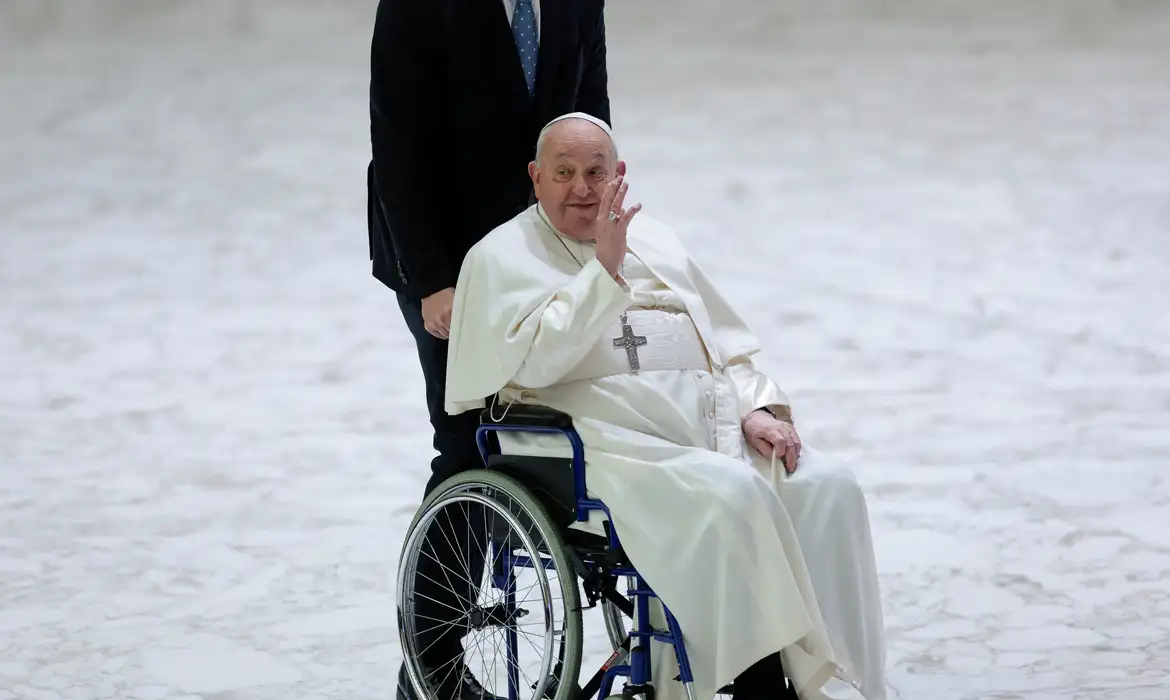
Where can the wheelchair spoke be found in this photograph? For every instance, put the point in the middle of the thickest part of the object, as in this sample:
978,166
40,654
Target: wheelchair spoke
520,669
477,638
524,636
533,623
431,629
553,579
512,508
488,678
430,646
443,567
527,679
459,555
488,683
455,664
497,639
434,558
442,623
495,660
535,583
462,613
499,552
463,554
536,580
529,590
467,548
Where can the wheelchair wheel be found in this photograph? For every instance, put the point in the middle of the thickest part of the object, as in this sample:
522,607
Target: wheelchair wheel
485,587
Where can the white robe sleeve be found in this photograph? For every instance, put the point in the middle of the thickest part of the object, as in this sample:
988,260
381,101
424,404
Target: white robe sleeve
569,325
756,390
736,342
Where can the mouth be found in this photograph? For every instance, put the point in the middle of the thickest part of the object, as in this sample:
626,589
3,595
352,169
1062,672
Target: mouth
581,205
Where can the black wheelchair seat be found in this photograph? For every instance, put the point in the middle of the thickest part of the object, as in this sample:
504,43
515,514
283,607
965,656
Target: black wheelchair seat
550,479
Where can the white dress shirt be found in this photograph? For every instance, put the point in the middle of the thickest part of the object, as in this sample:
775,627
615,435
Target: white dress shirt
510,8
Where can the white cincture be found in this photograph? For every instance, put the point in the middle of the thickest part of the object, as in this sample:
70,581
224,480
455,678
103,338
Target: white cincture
671,343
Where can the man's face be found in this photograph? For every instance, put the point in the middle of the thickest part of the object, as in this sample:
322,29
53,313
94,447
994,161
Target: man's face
575,165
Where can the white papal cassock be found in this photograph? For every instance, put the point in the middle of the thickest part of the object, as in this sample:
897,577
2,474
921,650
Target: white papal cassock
745,573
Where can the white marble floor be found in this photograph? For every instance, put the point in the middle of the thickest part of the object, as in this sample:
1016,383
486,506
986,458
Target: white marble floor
949,222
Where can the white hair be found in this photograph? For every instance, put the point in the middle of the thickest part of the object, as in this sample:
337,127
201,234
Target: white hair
540,140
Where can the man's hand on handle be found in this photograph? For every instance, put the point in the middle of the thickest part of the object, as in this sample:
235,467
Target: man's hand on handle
768,434
611,234
436,312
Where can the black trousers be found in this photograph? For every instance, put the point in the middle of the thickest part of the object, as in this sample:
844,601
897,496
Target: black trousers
763,680
452,559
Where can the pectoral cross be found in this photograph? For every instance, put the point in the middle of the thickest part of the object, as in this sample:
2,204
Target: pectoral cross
631,343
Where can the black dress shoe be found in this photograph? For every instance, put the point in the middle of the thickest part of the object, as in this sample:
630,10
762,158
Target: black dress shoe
461,685
467,687
761,679
405,692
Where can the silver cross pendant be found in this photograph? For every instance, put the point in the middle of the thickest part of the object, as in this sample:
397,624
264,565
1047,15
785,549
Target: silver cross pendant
631,343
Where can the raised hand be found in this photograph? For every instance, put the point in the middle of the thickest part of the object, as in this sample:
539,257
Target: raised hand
611,231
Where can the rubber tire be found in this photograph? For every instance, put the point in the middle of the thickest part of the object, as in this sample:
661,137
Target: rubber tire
554,542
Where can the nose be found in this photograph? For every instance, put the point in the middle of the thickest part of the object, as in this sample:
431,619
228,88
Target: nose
580,186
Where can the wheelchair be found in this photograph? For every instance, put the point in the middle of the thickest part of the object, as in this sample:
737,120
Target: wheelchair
528,540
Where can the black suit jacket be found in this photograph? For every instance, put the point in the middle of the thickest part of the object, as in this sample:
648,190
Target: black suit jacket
452,125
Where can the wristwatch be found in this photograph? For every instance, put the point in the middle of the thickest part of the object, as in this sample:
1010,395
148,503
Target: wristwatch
784,419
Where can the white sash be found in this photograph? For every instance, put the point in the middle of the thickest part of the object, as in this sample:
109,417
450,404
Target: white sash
671,343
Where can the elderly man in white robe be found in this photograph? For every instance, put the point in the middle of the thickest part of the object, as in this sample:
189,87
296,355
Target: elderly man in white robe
759,546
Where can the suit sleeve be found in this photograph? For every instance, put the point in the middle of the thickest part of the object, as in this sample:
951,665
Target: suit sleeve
406,84
593,93
570,323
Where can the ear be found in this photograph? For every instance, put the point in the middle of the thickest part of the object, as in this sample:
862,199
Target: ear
534,173
621,168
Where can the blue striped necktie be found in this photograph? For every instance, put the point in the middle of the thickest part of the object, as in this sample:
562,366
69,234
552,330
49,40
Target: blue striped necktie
524,31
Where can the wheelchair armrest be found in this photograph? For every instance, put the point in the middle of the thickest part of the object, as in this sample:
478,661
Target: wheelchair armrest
528,416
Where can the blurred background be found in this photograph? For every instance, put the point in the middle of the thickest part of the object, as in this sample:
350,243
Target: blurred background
948,221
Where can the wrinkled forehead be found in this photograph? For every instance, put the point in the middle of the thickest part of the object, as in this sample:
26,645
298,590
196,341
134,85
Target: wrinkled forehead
580,152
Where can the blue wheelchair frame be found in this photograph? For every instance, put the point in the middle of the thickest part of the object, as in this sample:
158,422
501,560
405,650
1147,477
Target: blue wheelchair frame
638,669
